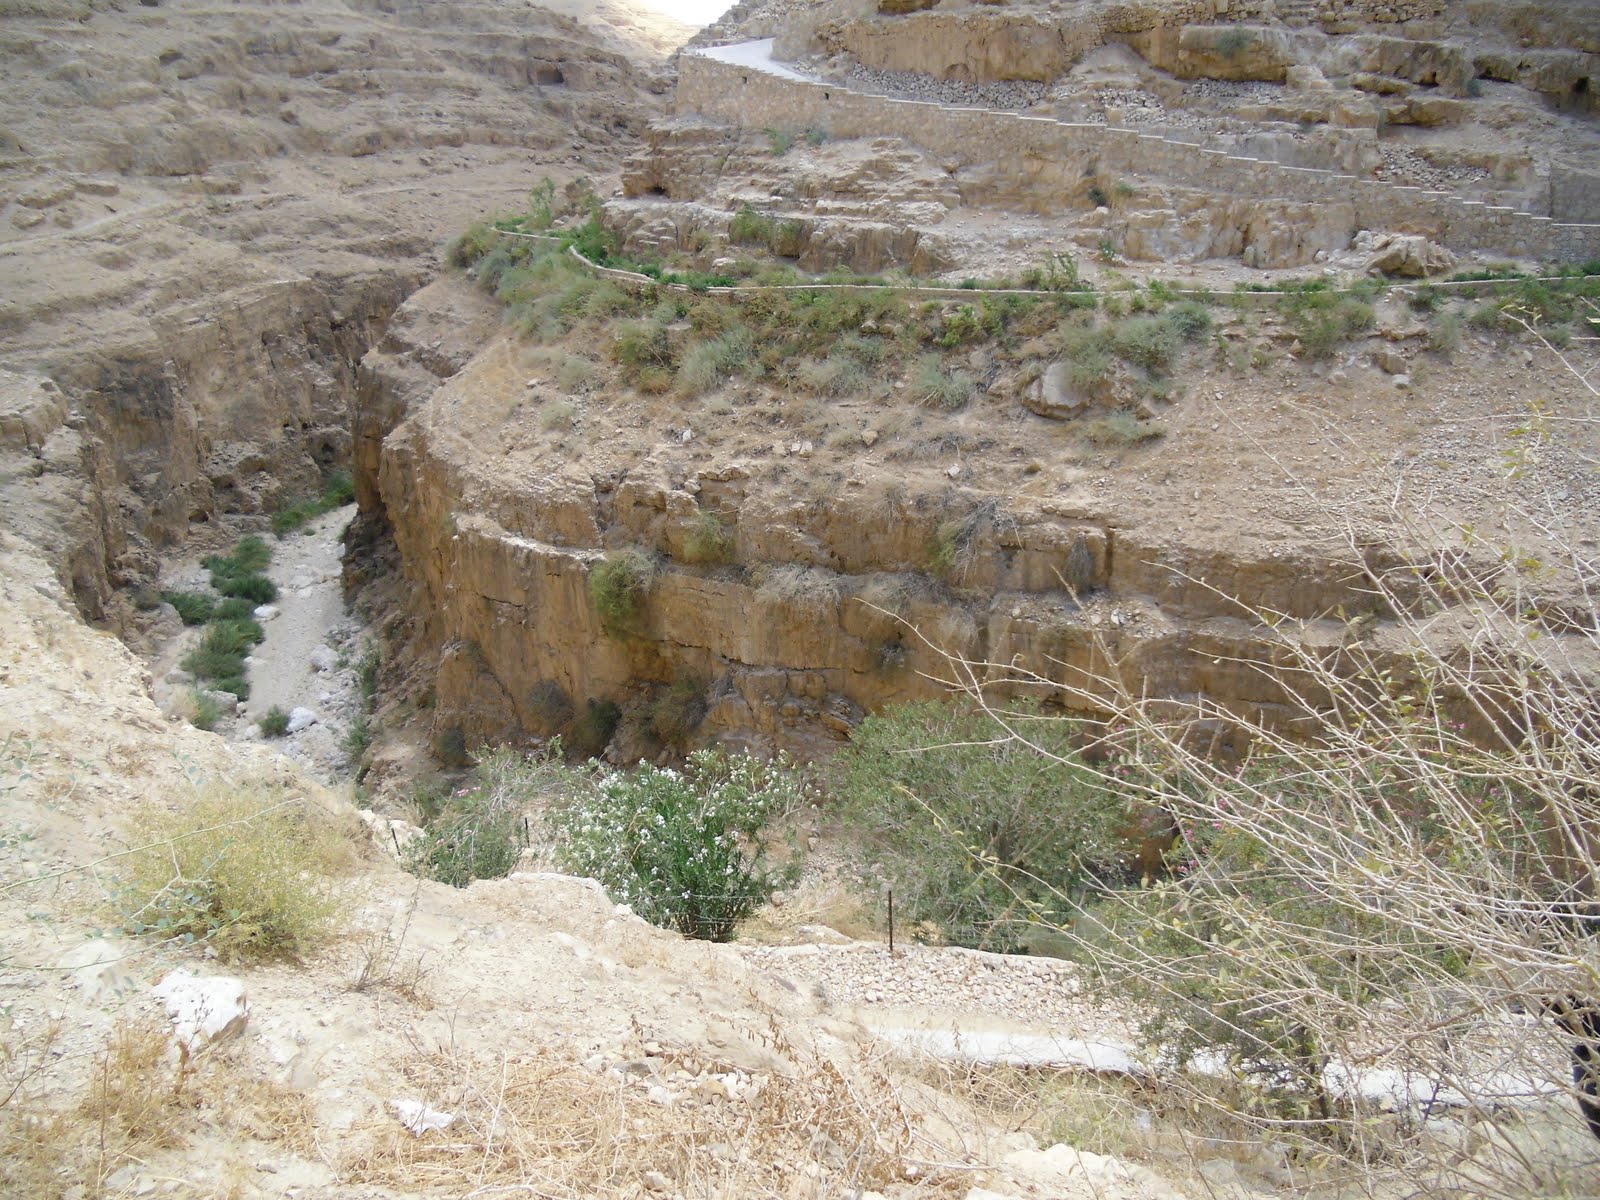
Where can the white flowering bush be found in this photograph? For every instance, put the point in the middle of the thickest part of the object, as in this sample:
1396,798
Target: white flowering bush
683,847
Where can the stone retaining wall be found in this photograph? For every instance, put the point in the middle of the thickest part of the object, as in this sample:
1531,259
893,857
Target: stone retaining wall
1039,157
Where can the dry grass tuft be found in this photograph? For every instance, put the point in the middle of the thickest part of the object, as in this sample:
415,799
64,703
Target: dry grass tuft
137,1102
250,869
549,1126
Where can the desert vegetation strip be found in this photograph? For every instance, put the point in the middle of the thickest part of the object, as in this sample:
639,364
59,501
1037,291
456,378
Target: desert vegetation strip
217,662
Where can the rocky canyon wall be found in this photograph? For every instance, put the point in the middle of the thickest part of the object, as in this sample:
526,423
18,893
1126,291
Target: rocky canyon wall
827,603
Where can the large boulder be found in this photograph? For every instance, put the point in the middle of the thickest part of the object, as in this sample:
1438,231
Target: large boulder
1409,255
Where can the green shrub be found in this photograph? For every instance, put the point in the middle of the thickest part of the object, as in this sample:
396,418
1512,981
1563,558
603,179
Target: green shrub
708,363
257,589
251,554
275,724
367,668
917,775
1234,42
232,637
836,375
194,608
750,228
245,868
682,848
618,587
779,141
549,708
1190,318
214,662
935,386
1444,335
234,608
557,416
464,251
590,733
339,491
642,343
1120,429
204,711
357,738
479,832
239,572
1149,342
1324,322
709,539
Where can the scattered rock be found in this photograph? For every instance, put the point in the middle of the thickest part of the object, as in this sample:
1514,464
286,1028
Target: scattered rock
266,612
322,658
1049,395
301,718
203,1011
1391,360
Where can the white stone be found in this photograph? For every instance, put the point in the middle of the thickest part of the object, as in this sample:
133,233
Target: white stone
266,612
419,1118
323,659
203,1011
301,718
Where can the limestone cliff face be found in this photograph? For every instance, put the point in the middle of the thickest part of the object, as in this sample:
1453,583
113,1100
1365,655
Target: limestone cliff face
219,412
828,604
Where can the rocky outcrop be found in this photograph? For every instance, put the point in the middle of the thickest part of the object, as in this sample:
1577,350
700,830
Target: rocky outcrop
818,613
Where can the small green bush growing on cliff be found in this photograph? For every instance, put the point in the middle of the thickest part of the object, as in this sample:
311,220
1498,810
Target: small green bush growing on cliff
617,589
1322,330
204,711
682,848
709,539
920,774
708,363
1233,43
750,228
450,747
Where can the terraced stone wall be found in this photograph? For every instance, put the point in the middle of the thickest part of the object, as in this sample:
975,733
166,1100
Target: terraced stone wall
1036,158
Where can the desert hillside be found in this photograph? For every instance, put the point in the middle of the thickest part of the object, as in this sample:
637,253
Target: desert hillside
527,530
